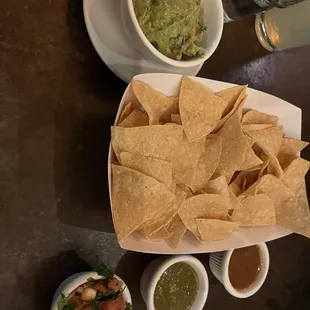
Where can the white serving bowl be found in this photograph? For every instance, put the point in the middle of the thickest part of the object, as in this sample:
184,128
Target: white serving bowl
219,263
213,18
74,281
157,267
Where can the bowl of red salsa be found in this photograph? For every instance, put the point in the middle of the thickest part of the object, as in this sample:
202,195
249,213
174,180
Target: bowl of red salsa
93,290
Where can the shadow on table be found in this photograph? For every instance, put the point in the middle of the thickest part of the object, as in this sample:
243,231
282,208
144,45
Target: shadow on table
130,269
82,179
52,272
239,46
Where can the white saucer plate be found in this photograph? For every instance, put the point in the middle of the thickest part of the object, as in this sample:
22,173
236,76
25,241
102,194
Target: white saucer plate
105,28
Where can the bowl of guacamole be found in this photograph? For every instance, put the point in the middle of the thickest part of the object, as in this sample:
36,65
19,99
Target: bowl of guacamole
178,33
175,283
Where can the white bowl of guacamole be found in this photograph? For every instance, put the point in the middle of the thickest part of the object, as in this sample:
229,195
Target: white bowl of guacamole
175,283
177,33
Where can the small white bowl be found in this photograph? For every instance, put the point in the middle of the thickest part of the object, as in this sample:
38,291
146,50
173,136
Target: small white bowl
157,267
219,263
74,281
213,18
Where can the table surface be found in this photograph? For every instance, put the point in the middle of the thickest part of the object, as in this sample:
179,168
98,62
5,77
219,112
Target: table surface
57,102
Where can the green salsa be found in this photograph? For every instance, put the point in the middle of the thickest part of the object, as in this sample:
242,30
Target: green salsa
174,27
177,288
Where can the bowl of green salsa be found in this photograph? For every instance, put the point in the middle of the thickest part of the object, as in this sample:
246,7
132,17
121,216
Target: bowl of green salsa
175,283
178,33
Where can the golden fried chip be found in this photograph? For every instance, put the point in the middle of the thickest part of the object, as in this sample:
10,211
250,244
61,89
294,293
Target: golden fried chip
211,229
207,163
250,158
203,206
235,188
159,235
185,189
176,230
256,117
268,139
200,109
154,102
220,186
289,149
152,225
294,174
235,146
237,106
255,210
156,141
132,206
176,119
127,109
255,127
231,96
135,119
274,166
158,169
294,213
173,110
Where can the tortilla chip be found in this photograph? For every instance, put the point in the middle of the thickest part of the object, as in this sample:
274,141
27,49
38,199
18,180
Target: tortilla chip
159,235
156,168
294,213
220,186
176,119
234,148
135,119
156,141
173,110
234,187
294,174
250,158
275,189
166,142
289,149
231,95
255,127
176,229
255,210
154,102
153,225
268,139
203,206
200,109
185,189
131,206
212,230
127,109
256,117
207,163
274,167
238,106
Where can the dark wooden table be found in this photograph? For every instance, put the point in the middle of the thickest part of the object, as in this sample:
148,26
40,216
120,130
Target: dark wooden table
57,102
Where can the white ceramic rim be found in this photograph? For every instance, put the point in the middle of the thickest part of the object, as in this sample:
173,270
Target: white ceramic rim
200,270
179,63
80,279
259,281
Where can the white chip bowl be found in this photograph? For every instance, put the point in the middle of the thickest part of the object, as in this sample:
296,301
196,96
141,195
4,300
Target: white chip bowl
169,84
213,18
74,281
157,267
219,263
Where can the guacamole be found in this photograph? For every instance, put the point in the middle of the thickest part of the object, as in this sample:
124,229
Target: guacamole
174,27
177,288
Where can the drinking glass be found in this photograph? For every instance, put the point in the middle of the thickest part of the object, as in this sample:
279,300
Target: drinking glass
280,29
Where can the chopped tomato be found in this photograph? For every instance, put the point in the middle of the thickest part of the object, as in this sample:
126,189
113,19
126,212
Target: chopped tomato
117,304
115,284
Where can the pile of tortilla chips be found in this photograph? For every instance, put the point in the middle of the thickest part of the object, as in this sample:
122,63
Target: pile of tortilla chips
199,162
